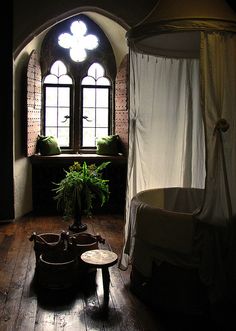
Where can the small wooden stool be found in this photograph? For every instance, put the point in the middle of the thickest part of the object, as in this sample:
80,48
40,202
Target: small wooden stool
103,259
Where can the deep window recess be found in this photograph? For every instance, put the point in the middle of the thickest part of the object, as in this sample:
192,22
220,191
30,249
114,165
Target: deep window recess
78,70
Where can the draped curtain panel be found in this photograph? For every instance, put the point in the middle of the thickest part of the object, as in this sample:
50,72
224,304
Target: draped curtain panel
166,135
217,218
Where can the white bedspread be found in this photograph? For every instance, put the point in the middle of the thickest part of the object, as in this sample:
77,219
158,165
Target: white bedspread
157,234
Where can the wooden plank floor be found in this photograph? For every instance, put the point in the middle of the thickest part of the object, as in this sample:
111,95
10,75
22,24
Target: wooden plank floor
22,307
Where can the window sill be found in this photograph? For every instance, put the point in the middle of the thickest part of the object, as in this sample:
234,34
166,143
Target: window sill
69,158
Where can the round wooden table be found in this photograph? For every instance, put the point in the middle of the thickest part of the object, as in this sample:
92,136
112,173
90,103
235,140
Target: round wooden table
103,259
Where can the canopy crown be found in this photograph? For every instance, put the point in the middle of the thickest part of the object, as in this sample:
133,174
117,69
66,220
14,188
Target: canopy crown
154,34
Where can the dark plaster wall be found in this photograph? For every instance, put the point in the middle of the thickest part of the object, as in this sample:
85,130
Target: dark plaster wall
30,18
6,115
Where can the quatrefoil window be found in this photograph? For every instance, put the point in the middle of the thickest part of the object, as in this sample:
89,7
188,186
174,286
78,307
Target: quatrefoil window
78,42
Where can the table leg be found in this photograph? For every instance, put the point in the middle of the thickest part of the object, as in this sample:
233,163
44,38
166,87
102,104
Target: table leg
106,285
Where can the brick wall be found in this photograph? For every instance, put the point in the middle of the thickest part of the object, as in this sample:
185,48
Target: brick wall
34,94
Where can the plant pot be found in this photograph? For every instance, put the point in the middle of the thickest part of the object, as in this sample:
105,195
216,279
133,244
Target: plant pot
77,225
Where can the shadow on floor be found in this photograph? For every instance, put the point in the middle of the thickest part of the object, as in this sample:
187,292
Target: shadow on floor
63,298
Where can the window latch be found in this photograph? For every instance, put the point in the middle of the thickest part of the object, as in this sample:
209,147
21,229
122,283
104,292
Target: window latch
86,118
66,118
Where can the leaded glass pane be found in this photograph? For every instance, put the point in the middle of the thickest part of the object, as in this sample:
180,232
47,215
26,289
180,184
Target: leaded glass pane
103,81
89,117
89,97
102,117
101,132
96,70
51,131
88,81
65,79
78,54
51,96
78,29
63,96
51,116
88,137
58,68
64,119
102,97
51,79
64,137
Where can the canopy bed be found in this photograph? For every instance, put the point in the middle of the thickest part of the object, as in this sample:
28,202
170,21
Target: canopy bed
182,143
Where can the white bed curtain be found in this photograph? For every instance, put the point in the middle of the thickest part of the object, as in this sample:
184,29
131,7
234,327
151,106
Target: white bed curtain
166,136
217,226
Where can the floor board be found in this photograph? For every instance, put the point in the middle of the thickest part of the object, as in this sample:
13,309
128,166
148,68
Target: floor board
23,307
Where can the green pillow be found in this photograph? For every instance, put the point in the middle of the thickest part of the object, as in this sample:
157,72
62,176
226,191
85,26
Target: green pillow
48,145
108,145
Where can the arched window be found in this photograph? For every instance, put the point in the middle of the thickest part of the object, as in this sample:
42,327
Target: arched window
78,70
57,89
96,99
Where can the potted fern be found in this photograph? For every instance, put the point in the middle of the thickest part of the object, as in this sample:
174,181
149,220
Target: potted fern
77,191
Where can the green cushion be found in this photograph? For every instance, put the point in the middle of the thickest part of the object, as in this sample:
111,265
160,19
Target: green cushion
108,145
48,145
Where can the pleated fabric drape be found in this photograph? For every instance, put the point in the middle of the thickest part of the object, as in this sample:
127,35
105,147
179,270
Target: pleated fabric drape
217,217
166,135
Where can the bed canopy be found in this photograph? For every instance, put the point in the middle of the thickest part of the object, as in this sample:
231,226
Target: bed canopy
183,123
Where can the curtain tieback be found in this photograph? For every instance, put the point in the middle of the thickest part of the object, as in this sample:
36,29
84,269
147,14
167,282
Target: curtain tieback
221,126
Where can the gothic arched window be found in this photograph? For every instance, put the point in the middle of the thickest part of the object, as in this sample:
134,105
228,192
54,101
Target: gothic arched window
78,76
